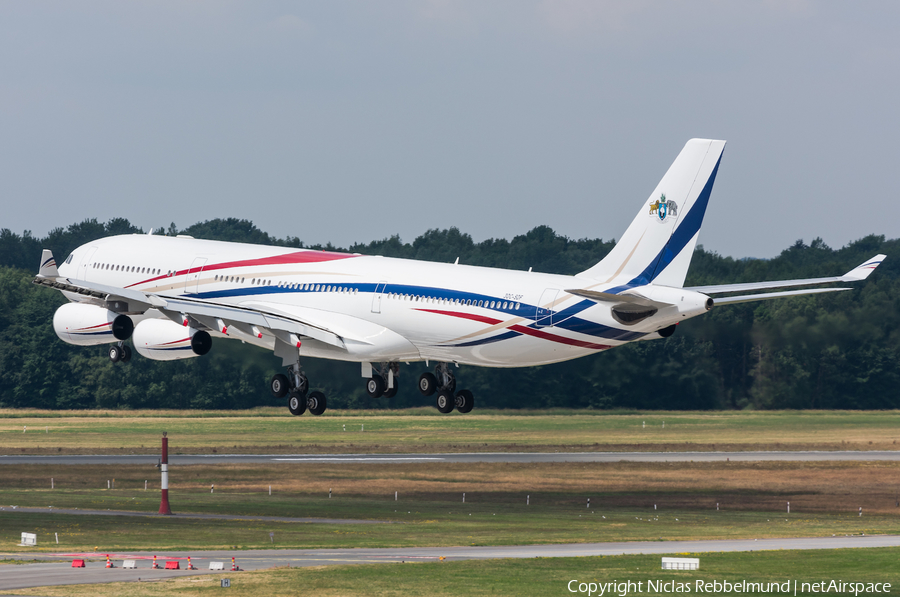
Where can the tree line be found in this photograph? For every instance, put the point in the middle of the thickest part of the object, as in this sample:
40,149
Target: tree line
832,351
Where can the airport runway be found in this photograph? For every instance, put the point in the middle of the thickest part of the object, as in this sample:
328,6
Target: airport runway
58,570
517,457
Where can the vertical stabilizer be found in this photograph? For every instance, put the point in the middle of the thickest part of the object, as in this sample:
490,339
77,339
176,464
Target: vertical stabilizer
659,243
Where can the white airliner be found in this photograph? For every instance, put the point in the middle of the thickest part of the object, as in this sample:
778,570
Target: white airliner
172,296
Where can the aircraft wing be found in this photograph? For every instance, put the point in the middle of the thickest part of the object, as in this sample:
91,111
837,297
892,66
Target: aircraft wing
252,320
216,316
858,273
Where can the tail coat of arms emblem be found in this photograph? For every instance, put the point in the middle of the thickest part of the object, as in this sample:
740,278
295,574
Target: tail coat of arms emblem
662,208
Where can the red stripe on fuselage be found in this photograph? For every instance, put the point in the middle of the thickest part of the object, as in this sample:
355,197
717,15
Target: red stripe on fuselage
522,329
298,257
472,316
561,339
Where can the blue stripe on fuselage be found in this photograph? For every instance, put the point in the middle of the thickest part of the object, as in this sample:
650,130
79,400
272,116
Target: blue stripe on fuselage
566,318
505,336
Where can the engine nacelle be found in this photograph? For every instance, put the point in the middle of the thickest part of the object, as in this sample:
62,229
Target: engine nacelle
83,324
165,340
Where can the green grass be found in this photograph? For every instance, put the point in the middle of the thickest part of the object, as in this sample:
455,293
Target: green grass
824,497
416,524
537,576
271,430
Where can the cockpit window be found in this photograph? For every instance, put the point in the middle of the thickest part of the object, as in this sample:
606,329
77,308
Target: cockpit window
69,258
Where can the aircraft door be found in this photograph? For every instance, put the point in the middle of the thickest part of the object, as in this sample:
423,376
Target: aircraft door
376,298
543,314
85,265
192,280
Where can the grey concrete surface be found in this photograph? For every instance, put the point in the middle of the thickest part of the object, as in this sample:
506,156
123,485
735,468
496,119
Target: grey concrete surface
518,457
57,569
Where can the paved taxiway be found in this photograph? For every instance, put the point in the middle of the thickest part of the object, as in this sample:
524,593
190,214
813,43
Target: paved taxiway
463,457
59,572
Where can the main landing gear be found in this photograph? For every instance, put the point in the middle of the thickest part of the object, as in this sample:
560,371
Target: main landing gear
443,382
119,352
295,385
384,382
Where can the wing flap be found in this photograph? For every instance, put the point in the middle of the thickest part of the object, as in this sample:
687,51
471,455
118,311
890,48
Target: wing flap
138,302
252,316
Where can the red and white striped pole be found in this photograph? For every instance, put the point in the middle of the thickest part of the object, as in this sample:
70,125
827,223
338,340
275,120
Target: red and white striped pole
164,469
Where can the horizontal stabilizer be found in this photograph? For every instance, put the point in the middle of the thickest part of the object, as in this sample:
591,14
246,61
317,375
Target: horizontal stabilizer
606,297
749,298
855,275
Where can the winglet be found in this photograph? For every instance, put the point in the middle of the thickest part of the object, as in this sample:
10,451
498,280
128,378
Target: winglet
862,272
48,265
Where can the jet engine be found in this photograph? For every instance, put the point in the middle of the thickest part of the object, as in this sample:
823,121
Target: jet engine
165,340
83,324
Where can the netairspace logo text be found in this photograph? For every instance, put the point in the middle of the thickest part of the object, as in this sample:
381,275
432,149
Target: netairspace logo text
720,587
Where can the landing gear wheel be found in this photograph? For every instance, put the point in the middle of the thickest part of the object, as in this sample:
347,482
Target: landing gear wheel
297,405
464,401
126,354
115,353
316,402
391,392
445,401
279,386
427,384
375,386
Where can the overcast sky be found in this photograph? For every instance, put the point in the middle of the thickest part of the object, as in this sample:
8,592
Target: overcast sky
353,121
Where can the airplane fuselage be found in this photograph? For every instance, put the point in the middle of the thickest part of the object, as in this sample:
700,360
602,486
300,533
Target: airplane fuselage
384,309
